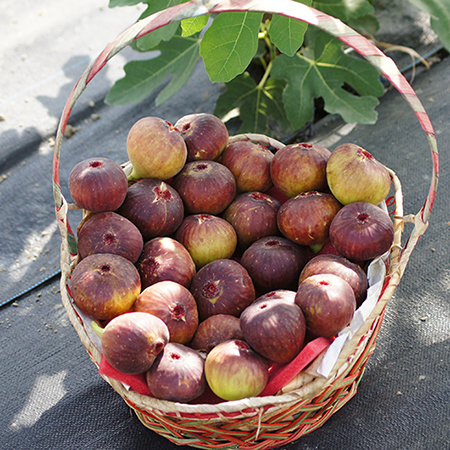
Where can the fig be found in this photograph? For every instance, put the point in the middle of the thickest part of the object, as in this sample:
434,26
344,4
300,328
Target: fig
222,287
177,374
328,303
249,162
174,305
235,371
361,231
205,135
306,218
279,294
131,342
98,184
300,167
327,249
274,262
253,216
163,258
105,285
156,149
352,273
206,187
354,175
109,232
214,330
207,238
275,328
154,207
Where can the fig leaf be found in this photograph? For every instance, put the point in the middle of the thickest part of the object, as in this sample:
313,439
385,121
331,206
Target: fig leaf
322,70
229,44
254,104
344,9
287,34
178,58
439,11
194,25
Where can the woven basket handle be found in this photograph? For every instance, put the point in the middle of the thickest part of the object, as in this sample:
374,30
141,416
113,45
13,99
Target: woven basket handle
288,8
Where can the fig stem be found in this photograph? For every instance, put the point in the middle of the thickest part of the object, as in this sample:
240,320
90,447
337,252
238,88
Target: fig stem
316,247
133,176
97,329
265,76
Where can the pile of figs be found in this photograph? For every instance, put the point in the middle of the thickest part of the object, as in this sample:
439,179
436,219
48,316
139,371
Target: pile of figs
205,260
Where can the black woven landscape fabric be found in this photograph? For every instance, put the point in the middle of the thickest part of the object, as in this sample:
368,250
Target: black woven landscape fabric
51,396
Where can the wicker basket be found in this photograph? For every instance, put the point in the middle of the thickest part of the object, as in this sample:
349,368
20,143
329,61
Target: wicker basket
271,421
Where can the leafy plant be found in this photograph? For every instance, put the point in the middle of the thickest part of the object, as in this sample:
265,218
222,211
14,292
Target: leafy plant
439,11
275,69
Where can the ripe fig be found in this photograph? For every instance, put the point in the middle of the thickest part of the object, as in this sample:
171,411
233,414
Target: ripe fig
131,342
354,175
105,285
207,238
274,262
275,328
249,162
206,187
205,135
156,149
109,232
306,218
222,287
253,216
98,184
234,370
352,273
328,303
174,305
279,294
177,374
361,231
154,207
300,167
164,258
214,330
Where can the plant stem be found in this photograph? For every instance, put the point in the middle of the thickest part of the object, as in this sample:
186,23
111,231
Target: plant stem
97,329
267,67
263,62
265,76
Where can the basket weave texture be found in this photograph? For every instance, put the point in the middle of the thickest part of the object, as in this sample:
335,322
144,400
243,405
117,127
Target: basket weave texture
260,422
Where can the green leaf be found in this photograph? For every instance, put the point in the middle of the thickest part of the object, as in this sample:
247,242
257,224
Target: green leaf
368,23
72,243
178,58
151,40
261,51
194,25
287,34
439,11
324,74
344,9
255,104
229,44
273,103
